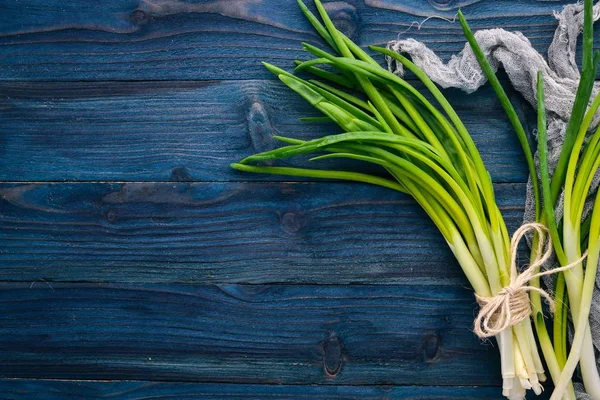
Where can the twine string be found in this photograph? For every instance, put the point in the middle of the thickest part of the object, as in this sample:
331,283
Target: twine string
511,304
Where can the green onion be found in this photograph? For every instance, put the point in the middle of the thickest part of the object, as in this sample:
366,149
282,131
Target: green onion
578,162
426,153
581,168
554,362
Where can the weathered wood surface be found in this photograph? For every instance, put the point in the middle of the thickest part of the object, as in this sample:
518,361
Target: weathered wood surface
169,39
189,131
16,389
164,271
225,232
354,334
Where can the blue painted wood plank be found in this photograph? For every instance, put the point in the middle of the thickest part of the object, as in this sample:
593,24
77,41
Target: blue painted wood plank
225,232
190,131
172,40
18,389
275,334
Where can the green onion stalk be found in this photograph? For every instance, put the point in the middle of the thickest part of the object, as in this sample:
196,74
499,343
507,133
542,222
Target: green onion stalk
583,164
578,163
423,152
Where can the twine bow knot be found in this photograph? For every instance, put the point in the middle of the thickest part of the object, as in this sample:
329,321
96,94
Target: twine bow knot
511,304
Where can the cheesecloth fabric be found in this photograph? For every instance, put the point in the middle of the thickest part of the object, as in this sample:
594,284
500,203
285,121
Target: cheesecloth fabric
522,62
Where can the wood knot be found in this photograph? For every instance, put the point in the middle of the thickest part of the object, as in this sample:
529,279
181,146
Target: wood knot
259,128
344,17
332,355
292,222
443,5
111,216
139,17
180,174
431,346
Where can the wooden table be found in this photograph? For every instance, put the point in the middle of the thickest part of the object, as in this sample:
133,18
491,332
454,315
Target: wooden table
136,264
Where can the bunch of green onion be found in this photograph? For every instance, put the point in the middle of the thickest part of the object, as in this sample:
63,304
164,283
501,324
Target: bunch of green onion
424,152
578,163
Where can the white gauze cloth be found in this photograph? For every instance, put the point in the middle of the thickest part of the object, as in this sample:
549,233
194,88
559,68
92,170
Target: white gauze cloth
521,63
